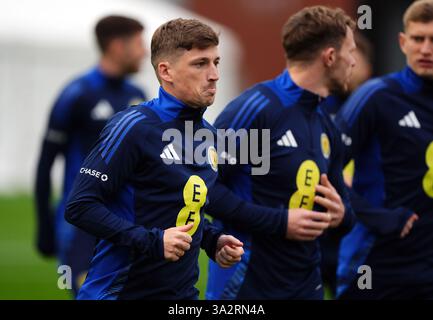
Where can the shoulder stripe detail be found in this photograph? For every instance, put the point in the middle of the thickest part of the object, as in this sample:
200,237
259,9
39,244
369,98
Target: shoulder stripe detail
115,131
242,109
357,101
245,116
255,112
119,141
249,108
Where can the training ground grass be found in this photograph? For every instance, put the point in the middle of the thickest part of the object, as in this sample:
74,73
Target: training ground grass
24,274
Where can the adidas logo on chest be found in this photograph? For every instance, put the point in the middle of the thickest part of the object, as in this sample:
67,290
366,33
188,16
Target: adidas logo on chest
409,120
287,140
169,153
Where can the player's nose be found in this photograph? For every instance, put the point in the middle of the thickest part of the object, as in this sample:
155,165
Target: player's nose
213,73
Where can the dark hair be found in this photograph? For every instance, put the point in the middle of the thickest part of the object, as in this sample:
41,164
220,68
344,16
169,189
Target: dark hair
178,35
111,27
312,29
419,11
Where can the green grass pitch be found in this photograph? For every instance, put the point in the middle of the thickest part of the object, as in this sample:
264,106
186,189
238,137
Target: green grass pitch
24,274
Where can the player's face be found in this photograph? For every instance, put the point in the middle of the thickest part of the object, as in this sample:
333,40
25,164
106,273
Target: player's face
194,75
133,53
361,72
417,44
340,72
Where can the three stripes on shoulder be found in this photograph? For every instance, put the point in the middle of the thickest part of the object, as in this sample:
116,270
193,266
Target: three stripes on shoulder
113,140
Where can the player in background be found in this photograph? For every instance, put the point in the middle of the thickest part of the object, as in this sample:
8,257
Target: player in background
305,162
363,70
388,128
77,117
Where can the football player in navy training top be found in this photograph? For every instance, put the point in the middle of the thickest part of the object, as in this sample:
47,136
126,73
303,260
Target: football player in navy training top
143,196
305,162
77,117
388,130
330,240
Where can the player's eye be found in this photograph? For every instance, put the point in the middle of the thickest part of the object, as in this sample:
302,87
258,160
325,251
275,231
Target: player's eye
200,64
418,39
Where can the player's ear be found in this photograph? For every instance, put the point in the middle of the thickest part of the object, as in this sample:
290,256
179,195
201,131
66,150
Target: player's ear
115,46
402,39
164,71
329,56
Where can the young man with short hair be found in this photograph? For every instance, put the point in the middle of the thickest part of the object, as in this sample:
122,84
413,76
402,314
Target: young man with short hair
388,124
305,162
147,212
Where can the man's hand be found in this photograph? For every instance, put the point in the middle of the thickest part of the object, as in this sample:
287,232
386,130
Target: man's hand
229,251
176,242
331,201
45,239
408,226
306,225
